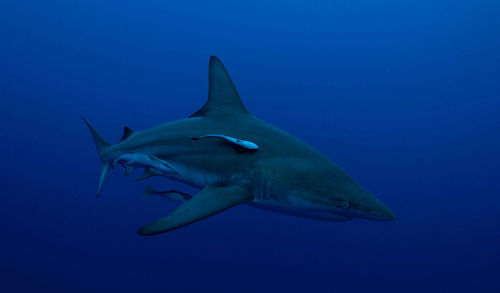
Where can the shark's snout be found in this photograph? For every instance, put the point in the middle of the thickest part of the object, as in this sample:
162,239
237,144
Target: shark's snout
359,203
373,209
379,212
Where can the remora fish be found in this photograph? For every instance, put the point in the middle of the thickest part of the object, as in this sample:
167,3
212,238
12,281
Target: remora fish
234,158
172,195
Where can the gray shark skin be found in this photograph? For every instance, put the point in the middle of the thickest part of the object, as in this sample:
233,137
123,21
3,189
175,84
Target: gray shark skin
278,172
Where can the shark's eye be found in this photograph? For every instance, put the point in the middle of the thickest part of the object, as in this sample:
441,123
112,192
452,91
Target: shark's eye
344,204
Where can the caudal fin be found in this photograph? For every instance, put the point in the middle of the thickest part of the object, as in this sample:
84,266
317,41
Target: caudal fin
101,144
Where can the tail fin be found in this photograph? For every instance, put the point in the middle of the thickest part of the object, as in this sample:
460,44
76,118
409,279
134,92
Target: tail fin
101,144
104,171
148,192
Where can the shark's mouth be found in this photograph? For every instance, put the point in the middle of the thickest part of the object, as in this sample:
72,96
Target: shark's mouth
318,212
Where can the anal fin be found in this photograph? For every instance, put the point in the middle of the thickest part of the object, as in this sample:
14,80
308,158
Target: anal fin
210,201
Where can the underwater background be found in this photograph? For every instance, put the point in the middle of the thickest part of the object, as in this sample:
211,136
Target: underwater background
404,95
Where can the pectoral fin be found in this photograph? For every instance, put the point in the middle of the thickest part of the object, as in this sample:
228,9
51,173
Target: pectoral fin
211,200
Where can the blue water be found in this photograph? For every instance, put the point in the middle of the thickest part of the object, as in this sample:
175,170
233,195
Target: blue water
404,95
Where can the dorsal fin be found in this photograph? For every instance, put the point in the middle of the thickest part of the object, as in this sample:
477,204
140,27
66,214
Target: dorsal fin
127,132
223,99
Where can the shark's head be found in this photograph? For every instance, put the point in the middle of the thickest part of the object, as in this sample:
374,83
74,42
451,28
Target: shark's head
329,189
352,200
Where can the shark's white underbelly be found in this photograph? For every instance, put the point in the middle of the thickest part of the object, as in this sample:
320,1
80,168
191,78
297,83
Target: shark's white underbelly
299,208
268,195
261,185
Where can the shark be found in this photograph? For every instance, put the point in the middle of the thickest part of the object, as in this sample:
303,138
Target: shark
236,158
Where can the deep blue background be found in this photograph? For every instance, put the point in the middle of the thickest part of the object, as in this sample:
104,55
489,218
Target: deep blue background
404,95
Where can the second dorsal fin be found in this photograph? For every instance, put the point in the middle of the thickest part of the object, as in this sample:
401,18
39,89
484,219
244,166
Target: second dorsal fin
223,99
127,132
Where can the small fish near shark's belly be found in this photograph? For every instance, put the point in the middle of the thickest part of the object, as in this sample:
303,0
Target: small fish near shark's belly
193,176
299,208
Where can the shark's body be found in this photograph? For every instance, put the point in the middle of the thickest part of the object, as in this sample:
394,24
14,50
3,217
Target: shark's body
236,158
